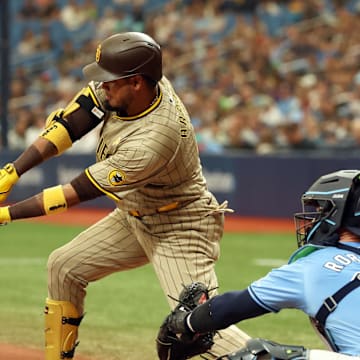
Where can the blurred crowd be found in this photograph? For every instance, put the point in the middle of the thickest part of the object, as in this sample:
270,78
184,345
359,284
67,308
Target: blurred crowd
262,76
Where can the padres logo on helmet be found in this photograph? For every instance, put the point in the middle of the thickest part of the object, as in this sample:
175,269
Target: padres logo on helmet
123,55
116,177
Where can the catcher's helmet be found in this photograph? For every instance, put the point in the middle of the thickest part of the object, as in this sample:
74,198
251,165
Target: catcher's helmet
123,55
332,202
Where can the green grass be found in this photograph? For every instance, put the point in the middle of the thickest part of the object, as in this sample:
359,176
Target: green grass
124,310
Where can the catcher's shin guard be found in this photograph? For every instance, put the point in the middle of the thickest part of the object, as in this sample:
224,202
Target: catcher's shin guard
257,349
61,329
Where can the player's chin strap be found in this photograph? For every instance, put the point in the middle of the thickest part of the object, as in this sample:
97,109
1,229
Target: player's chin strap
329,305
256,349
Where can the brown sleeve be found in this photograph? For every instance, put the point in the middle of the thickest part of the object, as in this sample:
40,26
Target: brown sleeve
34,155
85,188
31,207
80,189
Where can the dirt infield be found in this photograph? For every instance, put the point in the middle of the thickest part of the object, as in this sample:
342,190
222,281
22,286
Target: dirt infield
12,352
88,217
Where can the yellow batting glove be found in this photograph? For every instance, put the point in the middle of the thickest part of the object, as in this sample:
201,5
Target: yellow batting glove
8,178
4,215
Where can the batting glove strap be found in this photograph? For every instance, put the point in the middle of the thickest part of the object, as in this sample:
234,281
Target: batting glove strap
4,215
8,178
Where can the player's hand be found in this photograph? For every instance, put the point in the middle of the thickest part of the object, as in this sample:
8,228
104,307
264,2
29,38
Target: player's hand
8,178
174,340
4,215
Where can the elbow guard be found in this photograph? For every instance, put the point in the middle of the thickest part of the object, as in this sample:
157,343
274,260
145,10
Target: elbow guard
54,200
62,128
58,134
86,99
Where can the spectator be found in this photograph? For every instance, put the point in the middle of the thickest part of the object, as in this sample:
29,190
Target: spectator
17,133
28,44
35,126
299,56
114,20
355,133
294,138
73,15
48,9
90,10
28,10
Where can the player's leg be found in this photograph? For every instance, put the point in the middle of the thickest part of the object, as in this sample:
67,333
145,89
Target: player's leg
183,251
261,349
329,355
61,329
96,252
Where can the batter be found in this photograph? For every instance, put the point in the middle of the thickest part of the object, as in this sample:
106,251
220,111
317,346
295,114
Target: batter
147,161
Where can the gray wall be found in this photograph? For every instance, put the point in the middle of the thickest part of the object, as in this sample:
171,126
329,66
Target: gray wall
267,186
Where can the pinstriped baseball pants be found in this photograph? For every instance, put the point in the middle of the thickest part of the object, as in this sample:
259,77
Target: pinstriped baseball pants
182,248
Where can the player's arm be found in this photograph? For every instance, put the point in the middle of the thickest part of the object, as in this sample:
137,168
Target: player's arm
224,310
259,298
217,313
51,200
63,127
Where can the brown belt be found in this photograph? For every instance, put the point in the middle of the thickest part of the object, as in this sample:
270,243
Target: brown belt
165,208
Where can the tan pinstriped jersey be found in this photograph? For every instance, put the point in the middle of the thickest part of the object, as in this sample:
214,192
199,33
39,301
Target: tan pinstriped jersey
150,160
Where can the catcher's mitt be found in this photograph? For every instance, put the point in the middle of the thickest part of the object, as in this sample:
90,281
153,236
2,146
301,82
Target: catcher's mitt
174,341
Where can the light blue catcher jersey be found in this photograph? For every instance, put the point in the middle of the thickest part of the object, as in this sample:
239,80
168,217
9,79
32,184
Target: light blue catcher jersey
305,283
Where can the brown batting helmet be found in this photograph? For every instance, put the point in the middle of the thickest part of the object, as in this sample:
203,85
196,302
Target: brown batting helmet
123,55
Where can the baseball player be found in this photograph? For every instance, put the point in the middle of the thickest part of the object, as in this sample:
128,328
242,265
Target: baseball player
146,161
322,279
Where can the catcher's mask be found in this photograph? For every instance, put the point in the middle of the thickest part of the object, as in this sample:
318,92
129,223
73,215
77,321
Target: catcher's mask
123,55
332,202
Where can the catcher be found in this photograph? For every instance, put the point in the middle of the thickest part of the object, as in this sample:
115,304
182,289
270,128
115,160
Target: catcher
322,279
